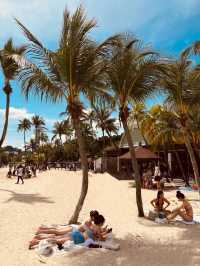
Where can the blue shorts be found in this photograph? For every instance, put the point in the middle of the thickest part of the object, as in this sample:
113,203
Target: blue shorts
77,237
90,234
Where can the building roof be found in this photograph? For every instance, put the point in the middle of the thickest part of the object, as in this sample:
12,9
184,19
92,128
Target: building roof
141,153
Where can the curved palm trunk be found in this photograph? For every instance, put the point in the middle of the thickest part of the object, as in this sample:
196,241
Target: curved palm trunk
135,168
193,159
84,165
5,128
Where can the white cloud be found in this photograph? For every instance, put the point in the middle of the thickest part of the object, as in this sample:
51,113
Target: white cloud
17,113
15,138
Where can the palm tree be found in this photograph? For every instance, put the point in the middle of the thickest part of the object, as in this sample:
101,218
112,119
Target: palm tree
181,81
75,67
38,123
43,137
132,72
161,128
9,69
105,122
58,130
24,125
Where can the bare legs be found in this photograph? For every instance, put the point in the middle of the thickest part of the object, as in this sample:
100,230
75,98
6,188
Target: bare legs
181,213
56,231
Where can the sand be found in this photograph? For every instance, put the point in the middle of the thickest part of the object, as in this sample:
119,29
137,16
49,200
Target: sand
51,197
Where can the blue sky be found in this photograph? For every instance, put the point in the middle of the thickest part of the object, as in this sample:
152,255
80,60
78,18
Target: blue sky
168,26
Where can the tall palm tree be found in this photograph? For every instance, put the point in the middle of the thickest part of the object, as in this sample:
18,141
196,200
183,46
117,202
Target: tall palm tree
24,126
9,69
181,81
39,125
58,130
75,67
132,72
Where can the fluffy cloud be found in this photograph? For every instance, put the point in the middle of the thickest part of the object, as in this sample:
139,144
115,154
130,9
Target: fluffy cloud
17,113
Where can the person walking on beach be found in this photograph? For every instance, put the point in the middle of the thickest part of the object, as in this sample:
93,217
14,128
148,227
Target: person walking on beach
20,173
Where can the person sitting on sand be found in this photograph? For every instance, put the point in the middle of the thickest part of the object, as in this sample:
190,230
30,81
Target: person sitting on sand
159,202
185,211
76,236
69,228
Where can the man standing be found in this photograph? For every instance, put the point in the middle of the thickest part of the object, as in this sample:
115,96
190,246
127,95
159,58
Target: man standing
20,173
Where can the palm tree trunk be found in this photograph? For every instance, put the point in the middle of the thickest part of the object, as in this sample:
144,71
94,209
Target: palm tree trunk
5,128
181,167
84,165
135,168
25,140
193,159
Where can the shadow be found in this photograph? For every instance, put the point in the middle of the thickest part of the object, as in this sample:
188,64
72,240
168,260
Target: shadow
138,251
26,198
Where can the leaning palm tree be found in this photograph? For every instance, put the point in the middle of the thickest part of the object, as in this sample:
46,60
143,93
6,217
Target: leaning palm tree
38,123
181,81
9,69
75,68
132,72
24,126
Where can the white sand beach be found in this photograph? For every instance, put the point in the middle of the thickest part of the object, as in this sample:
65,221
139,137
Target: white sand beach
51,197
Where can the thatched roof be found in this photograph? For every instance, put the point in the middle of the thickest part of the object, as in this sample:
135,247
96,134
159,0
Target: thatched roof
141,153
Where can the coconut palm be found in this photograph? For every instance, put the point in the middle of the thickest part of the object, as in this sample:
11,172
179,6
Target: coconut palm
58,130
75,68
161,128
9,69
24,126
43,137
39,125
132,72
181,81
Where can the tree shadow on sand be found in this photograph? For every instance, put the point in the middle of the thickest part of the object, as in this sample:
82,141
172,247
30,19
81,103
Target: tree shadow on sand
138,251
26,198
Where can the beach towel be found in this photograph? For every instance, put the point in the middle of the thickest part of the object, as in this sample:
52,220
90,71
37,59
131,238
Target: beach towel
196,220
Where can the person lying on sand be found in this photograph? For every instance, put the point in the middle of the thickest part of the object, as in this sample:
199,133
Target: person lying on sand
185,211
78,237
158,203
69,228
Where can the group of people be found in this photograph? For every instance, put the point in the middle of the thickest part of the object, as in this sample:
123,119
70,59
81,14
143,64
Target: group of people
90,231
21,171
160,205
150,178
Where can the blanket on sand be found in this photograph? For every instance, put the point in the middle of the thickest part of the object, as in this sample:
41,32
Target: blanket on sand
196,220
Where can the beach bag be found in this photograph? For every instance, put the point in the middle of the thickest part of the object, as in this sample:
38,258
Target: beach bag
45,248
68,245
152,215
